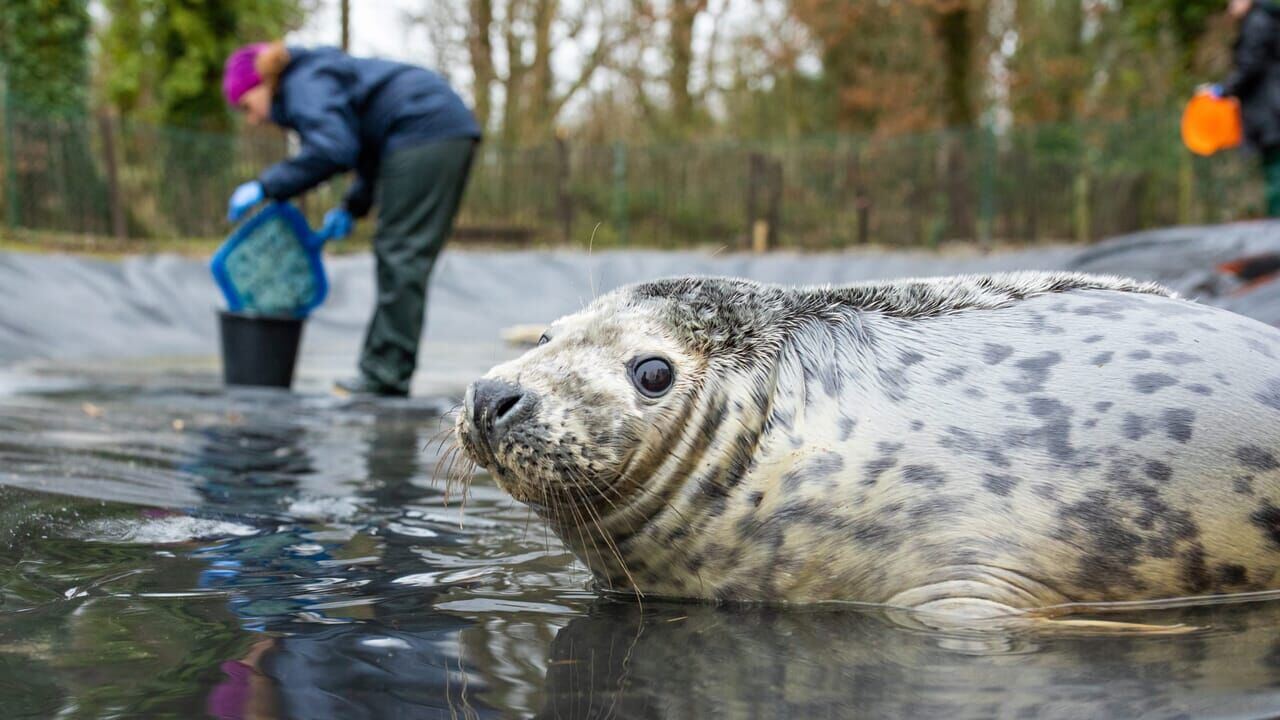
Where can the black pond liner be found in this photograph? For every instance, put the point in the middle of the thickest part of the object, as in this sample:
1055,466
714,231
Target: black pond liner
259,350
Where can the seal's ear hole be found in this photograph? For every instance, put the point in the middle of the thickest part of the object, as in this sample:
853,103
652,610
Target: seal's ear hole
652,376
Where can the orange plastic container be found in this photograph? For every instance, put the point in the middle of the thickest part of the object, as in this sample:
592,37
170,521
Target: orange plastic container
1210,124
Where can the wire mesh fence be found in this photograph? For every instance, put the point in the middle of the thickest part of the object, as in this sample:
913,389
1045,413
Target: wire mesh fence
146,185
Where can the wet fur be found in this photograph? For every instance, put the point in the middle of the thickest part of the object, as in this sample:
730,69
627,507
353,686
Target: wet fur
980,444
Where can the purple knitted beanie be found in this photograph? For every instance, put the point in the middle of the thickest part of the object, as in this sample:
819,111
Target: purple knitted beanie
239,76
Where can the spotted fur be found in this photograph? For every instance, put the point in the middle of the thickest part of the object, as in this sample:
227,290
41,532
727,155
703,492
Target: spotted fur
728,315
979,443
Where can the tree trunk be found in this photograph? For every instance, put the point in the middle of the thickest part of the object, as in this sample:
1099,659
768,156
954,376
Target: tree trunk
346,25
111,165
541,110
951,26
564,196
684,13
480,48
514,90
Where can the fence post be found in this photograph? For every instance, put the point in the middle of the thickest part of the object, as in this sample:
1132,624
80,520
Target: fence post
1080,189
564,199
986,185
774,216
861,201
1186,186
620,210
764,197
118,226
13,213
753,182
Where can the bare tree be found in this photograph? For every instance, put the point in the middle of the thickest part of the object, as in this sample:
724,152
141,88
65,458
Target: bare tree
666,91
518,89
345,13
593,27
480,49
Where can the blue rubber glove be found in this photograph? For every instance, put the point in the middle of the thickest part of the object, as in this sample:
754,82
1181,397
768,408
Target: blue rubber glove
244,198
1211,89
337,224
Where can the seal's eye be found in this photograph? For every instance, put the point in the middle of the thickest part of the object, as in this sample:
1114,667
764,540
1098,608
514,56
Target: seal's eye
544,339
652,376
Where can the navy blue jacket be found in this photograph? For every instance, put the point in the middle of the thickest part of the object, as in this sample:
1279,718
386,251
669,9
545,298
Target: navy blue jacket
1256,77
349,112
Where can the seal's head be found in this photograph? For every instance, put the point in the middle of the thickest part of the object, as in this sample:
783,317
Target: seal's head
668,385
584,417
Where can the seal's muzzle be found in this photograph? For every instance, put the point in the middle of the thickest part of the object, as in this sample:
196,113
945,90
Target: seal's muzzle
495,408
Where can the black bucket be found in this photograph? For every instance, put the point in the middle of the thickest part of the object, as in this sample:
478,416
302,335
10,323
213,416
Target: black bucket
259,349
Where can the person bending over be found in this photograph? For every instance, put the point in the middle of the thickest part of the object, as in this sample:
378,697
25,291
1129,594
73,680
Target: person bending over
1255,82
409,139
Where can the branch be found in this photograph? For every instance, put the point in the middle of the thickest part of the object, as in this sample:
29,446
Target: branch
709,64
605,46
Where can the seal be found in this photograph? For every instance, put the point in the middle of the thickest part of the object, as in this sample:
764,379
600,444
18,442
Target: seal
972,445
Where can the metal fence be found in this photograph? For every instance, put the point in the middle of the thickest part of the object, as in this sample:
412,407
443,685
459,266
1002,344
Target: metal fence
146,185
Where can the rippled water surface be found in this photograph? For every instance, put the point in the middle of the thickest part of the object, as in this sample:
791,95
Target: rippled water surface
169,550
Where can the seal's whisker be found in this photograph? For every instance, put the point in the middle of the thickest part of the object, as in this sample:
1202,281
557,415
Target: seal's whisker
597,488
546,528
582,539
552,502
616,553
440,468
627,515
602,490
595,543
449,462
606,537
623,676
590,248
446,428
462,506
444,464
640,488
632,527
579,505
467,473
585,538
442,436
457,467
459,470
528,514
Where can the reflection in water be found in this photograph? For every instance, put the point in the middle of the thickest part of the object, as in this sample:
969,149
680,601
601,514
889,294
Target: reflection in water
328,578
324,611
349,639
699,661
352,671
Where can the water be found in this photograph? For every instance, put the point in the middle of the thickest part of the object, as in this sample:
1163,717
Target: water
168,550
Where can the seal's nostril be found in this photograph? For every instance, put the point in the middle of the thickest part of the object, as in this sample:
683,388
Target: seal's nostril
496,403
504,406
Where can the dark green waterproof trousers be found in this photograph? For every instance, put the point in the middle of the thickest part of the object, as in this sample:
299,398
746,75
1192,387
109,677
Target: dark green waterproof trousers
1271,174
418,193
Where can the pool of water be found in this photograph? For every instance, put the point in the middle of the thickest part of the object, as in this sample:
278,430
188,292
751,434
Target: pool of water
171,550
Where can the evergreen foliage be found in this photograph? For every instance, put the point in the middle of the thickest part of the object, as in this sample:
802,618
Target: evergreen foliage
44,51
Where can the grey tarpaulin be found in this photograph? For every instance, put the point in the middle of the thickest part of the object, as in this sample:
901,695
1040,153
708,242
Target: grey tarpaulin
152,312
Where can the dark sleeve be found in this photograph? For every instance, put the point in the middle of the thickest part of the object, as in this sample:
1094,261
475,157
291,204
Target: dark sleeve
318,109
359,197
1251,55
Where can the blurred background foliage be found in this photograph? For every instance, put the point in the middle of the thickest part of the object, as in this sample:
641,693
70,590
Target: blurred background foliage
833,121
